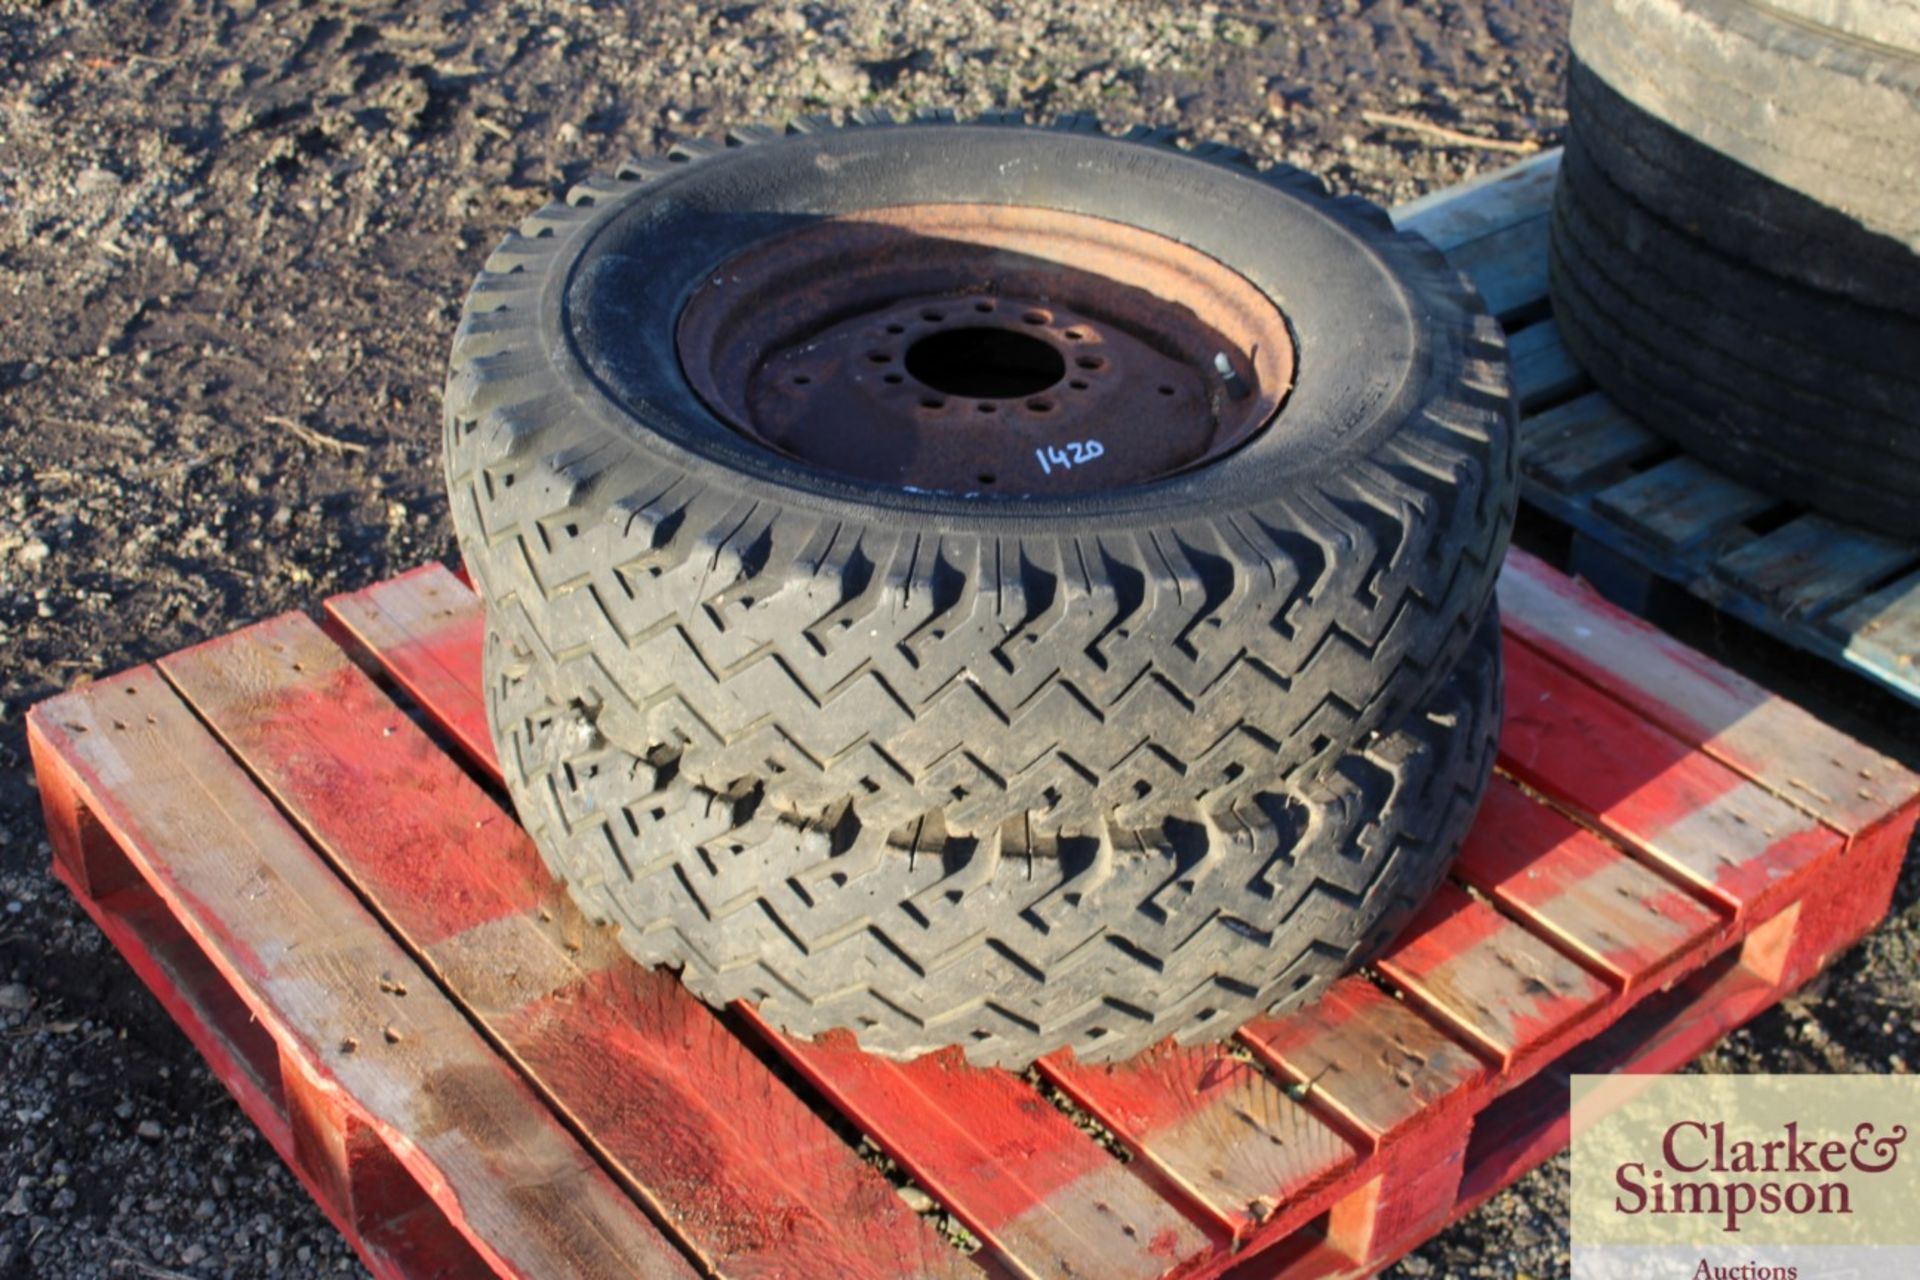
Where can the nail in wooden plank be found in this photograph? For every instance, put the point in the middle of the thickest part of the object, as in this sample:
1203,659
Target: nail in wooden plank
1692,815
1581,891
739,1166
1759,734
1370,1058
1490,979
291,937
1214,1125
1044,1195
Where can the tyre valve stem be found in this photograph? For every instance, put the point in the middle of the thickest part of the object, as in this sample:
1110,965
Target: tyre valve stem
1237,388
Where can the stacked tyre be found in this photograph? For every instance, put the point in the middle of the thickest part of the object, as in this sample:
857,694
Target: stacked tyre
1737,238
974,584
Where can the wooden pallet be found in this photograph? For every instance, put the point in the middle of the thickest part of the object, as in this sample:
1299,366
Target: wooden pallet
1643,513
295,834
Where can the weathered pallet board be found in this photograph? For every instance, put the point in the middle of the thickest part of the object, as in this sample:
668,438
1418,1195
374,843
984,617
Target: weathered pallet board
1642,513
295,834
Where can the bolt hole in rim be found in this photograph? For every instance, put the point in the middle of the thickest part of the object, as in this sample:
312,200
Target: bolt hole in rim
999,350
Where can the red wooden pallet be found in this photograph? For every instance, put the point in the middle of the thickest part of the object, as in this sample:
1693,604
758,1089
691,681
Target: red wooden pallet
295,834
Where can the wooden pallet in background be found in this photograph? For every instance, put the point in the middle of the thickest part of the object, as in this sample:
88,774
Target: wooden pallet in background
1643,513
295,834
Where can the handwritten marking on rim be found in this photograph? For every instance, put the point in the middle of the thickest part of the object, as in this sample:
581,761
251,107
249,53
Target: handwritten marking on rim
1076,453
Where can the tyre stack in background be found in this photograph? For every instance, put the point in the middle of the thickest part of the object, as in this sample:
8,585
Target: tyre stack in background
1736,238
1009,769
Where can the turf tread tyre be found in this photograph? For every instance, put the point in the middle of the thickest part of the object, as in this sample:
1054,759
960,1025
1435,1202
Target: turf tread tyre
1106,946
1135,672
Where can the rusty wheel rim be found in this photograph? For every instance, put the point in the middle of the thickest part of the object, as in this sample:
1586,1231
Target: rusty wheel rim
989,350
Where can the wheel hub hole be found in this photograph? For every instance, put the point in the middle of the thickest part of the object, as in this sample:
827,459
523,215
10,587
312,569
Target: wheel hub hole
985,364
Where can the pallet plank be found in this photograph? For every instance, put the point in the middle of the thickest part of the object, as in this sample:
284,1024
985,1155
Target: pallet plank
1543,371
746,1173
1576,889
1572,445
1807,566
1682,503
407,621
291,937
1882,632
1490,979
1016,1171
1492,202
1762,736
1214,1125
1370,1058
1509,266
1689,814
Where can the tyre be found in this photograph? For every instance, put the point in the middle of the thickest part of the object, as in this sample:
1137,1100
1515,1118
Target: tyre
1745,367
1734,239
1737,212
1744,123
807,463
1007,945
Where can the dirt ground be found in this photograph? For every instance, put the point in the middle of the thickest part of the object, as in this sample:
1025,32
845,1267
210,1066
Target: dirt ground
233,238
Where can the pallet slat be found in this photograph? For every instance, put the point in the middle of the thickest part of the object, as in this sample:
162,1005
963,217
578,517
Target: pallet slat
1509,266
319,973
1682,503
1485,976
1762,736
1572,445
1370,1058
1215,1126
1805,567
1883,631
1016,1171
1461,214
702,1130
1543,371
1691,815
1616,915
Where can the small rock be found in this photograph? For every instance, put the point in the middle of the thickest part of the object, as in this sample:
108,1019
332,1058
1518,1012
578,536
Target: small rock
839,77
915,1199
15,998
151,1130
32,552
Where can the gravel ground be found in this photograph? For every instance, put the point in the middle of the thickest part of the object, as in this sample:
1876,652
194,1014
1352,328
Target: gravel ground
233,238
